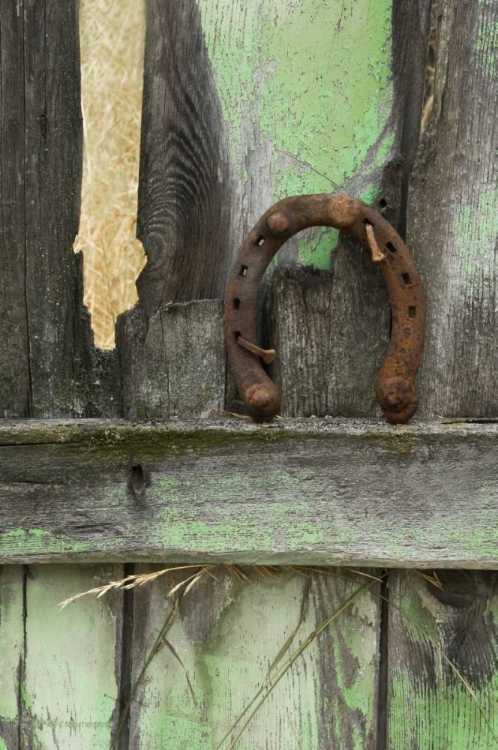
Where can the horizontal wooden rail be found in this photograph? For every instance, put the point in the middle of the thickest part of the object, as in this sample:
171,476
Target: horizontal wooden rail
308,491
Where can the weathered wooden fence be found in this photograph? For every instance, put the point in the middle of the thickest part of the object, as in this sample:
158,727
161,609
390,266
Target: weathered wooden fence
244,103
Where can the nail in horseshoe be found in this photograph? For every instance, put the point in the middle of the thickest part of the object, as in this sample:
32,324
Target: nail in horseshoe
396,379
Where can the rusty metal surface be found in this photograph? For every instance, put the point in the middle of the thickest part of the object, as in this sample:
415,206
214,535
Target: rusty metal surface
396,379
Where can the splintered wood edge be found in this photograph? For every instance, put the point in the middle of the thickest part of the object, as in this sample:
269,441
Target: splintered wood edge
296,491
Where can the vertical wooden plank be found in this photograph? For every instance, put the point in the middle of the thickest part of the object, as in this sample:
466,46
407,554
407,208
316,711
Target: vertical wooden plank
430,706
14,362
227,634
185,191
453,232
453,213
324,324
72,660
51,368
11,655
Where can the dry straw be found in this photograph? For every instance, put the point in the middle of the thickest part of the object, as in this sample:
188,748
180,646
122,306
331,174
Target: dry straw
112,39
287,655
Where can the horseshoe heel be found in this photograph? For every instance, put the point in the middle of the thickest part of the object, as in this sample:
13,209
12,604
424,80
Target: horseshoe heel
396,379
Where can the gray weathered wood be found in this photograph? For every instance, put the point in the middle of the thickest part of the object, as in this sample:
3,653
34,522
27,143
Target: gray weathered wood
12,648
430,706
304,491
318,355
14,361
184,193
453,232
453,213
175,365
227,628
49,367
60,670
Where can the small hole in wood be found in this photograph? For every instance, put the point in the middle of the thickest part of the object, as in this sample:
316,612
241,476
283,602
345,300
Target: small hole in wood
406,277
237,335
260,241
382,203
412,312
137,479
236,303
243,271
389,246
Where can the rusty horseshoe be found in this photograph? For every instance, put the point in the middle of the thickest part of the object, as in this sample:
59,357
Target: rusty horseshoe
396,379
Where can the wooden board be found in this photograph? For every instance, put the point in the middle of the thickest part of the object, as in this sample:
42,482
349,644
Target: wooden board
307,491
227,629
60,670
452,229
49,367
174,364
12,654
430,706
454,238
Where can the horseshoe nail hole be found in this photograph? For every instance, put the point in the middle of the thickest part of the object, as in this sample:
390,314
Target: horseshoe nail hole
389,246
260,241
367,223
406,277
412,312
243,271
236,303
137,479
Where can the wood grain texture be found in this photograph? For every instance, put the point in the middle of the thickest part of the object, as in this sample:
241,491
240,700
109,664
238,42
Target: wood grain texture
184,193
298,491
60,670
453,218
176,364
11,654
14,362
430,706
453,232
77,653
226,629
317,366
51,368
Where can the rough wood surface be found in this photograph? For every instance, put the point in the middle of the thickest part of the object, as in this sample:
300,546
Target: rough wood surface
453,232
453,211
185,192
227,628
60,670
14,362
309,491
175,365
12,654
318,353
48,365
429,704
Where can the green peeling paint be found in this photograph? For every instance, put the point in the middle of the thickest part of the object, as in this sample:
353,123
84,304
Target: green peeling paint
11,640
229,662
475,230
312,79
487,44
440,712
39,541
71,688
